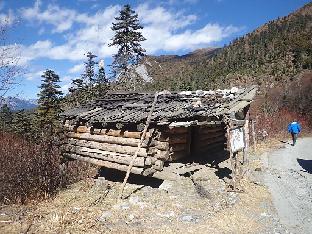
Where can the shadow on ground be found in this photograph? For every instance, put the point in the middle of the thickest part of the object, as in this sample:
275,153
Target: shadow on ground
286,142
305,164
118,176
213,160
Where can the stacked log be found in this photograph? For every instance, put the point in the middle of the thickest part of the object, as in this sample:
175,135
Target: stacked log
179,140
114,148
210,139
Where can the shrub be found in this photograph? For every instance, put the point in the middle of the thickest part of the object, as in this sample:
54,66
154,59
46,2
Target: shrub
31,171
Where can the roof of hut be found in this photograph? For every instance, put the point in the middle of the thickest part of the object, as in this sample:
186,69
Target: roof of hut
170,107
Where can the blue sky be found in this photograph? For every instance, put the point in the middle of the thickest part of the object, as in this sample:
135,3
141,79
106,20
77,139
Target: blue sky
56,34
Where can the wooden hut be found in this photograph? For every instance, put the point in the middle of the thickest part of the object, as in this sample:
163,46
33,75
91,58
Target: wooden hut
107,131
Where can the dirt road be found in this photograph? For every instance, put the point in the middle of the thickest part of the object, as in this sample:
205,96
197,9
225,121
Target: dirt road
289,179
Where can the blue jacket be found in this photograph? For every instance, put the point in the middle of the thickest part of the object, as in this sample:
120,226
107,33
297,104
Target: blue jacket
294,127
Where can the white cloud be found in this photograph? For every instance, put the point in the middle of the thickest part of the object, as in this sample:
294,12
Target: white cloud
199,38
164,30
77,68
34,75
65,88
62,19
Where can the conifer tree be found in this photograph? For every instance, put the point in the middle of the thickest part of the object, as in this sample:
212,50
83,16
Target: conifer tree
49,101
21,123
101,80
101,76
88,76
128,40
6,117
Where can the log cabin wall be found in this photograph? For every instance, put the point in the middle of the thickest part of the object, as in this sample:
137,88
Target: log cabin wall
114,148
208,139
107,132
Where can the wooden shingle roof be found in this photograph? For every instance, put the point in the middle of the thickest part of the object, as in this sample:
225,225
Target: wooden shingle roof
133,108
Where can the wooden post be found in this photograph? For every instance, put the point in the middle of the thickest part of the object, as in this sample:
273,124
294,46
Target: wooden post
149,118
246,138
254,141
229,127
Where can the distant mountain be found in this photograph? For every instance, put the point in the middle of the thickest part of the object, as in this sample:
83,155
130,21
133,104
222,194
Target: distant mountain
18,104
273,53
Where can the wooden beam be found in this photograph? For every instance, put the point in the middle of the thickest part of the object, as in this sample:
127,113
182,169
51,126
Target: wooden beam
118,140
106,164
105,155
123,149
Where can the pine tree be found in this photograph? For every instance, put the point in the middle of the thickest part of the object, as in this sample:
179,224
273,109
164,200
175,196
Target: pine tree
101,76
6,117
127,38
49,101
88,76
101,80
21,123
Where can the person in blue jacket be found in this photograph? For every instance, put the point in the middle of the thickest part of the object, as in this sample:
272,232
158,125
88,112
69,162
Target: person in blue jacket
294,128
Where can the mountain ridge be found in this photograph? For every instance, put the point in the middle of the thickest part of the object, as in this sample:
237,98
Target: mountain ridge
16,104
275,51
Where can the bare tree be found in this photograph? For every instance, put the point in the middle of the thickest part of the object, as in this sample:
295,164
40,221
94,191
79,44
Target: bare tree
9,59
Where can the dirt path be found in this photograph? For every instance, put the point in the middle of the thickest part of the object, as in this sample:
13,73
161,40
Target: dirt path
289,179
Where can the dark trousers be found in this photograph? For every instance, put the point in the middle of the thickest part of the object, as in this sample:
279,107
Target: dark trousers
294,137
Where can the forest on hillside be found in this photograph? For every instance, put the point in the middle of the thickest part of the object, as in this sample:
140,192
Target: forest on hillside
273,53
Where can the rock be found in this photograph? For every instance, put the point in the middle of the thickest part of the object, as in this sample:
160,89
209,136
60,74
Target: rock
200,93
231,96
167,215
76,210
122,206
265,214
189,218
209,92
101,181
105,215
166,186
187,93
134,200
234,90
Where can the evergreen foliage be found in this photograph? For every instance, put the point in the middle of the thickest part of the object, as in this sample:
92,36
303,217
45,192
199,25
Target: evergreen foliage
6,117
90,85
22,123
88,76
49,102
101,83
273,53
128,40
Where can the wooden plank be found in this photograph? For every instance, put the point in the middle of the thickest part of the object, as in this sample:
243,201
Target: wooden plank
209,139
106,164
118,140
211,130
105,155
123,149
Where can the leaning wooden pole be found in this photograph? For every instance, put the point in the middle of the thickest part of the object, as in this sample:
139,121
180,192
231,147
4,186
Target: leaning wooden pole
149,118
253,135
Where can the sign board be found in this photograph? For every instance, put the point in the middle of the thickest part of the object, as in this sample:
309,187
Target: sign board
237,139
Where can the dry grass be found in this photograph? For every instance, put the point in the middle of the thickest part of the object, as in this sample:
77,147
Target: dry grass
87,207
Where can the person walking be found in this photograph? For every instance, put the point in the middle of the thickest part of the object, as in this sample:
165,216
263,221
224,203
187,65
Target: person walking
294,129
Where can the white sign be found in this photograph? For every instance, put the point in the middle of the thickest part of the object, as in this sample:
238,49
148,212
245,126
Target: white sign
237,139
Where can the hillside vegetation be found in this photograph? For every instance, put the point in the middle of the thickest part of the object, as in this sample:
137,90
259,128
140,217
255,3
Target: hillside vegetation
272,53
